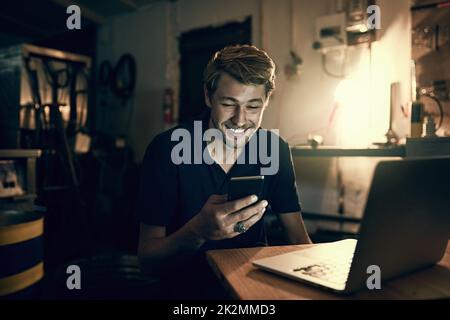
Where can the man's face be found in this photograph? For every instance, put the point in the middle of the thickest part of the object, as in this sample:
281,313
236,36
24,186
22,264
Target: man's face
236,109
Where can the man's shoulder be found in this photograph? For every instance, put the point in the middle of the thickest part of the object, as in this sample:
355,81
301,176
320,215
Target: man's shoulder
161,140
160,145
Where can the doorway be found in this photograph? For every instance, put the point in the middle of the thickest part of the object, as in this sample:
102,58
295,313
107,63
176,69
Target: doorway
196,49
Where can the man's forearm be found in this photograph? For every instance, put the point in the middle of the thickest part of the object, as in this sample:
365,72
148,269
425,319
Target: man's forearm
295,228
157,253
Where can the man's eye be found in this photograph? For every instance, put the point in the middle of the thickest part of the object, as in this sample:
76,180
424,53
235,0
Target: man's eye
254,107
228,105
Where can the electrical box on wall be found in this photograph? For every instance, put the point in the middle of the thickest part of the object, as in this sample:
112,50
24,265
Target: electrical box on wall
330,32
357,16
359,23
351,26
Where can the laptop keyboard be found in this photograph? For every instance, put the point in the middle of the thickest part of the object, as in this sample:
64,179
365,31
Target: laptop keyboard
332,270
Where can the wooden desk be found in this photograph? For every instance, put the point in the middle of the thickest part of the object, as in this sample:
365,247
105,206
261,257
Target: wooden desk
234,268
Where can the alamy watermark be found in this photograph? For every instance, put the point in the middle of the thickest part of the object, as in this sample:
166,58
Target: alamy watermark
374,280
74,20
74,280
258,148
374,17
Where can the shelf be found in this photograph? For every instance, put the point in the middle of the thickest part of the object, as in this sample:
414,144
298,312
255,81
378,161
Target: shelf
19,197
19,153
428,147
333,151
330,217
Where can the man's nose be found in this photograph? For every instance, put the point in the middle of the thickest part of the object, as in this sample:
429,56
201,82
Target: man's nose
239,117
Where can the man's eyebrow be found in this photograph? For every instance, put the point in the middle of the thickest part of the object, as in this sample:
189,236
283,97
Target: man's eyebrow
256,100
235,100
229,98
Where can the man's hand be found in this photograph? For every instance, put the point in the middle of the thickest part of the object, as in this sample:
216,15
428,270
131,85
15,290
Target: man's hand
218,216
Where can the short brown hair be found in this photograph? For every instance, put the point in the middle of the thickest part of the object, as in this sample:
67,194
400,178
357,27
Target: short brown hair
247,64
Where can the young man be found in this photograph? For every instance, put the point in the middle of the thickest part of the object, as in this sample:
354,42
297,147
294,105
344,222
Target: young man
183,205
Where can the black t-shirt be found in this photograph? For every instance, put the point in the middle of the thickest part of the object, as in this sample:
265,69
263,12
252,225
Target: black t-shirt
171,194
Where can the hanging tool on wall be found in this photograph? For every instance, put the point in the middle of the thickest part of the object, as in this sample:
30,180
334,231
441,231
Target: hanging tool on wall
123,82
123,78
168,107
60,79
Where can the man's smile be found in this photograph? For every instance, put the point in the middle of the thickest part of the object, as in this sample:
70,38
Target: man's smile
235,132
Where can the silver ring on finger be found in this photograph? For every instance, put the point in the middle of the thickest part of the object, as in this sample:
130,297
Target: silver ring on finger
240,227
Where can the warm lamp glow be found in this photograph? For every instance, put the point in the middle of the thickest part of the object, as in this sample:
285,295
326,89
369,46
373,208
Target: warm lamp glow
351,96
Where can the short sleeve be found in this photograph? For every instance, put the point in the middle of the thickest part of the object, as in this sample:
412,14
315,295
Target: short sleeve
283,195
157,198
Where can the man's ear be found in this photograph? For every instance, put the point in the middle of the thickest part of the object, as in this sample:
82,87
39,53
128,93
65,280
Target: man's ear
207,99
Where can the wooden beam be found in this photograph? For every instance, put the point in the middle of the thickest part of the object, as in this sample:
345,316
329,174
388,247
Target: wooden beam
130,3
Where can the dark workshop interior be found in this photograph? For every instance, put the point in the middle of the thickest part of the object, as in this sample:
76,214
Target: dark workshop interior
85,86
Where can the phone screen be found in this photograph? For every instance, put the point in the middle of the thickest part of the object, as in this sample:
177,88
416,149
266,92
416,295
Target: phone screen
241,187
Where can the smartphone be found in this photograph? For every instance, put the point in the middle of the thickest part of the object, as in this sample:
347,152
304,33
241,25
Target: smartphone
241,187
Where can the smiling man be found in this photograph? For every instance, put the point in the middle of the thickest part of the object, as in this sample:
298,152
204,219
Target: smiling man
183,207
236,111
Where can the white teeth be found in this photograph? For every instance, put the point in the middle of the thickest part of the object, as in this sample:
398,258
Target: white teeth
236,130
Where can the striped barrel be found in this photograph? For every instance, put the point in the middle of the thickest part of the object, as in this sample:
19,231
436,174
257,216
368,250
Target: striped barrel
21,253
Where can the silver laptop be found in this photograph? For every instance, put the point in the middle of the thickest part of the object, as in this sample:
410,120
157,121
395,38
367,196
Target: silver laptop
406,227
